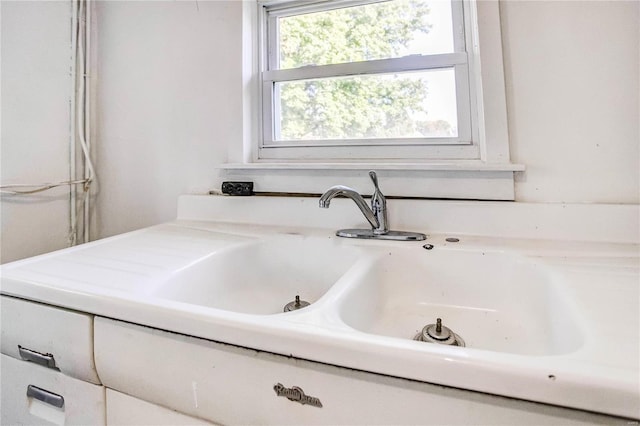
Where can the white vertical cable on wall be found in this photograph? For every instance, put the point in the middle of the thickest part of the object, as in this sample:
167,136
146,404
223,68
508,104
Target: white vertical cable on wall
80,123
87,120
72,133
79,129
81,114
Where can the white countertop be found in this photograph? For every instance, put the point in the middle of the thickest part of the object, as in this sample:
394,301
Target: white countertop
119,277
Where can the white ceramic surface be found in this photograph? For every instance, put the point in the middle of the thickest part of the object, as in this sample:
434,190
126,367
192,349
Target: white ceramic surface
494,300
547,321
261,277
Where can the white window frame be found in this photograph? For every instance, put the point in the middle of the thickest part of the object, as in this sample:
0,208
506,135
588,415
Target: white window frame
460,147
480,170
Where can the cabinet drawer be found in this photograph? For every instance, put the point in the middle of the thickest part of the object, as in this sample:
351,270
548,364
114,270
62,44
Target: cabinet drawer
50,336
32,394
232,385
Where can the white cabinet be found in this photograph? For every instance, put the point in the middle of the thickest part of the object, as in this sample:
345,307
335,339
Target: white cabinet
125,410
232,385
49,376
151,376
33,394
48,372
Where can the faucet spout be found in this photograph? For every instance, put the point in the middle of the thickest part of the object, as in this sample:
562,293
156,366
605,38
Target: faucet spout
376,215
334,191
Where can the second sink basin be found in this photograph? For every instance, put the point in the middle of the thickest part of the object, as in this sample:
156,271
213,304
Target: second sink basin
494,301
261,277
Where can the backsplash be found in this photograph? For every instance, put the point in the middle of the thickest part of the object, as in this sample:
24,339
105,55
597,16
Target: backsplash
569,222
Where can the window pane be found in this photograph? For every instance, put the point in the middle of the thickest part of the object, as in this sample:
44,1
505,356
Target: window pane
402,105
389,29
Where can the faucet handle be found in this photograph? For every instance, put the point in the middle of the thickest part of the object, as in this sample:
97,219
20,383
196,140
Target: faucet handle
374,179
378,206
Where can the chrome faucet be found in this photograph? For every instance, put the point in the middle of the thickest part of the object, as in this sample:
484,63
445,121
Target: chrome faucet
376,215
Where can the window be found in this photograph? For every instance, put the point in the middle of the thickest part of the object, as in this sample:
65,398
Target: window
370,79
411,88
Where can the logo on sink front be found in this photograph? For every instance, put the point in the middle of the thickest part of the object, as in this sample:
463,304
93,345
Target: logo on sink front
297,395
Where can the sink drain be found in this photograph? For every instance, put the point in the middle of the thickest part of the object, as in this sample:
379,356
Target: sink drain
438,333
296,304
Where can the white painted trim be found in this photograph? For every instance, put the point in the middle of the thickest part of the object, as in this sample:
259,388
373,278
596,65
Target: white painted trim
379,66
371,152
251,97
295,7
489,81
465,114
480,171
453,166
366,142
357,148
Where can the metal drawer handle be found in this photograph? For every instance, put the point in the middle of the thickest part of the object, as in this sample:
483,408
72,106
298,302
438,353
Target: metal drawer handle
37,357
45,396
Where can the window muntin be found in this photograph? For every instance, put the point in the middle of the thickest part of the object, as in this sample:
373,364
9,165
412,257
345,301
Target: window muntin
426,123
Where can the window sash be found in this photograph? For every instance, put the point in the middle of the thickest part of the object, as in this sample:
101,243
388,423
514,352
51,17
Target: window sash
377,66
272,10
384,147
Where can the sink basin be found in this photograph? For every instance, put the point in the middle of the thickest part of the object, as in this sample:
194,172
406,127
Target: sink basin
261,277
494,301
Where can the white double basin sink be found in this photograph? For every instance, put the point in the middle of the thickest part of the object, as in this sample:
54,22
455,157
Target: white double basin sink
497,301
543,321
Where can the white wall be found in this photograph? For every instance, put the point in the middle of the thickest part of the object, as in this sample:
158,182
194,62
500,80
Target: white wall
170,94
573,94
168,99
36,90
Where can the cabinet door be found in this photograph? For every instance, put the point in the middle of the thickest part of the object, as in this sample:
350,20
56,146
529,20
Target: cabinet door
125,410
233,385
32,394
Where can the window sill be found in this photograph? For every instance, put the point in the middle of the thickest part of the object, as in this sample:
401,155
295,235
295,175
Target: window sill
467,166
450,180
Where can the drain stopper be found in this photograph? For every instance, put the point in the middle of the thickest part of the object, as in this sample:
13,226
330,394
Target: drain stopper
438,333
296,304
